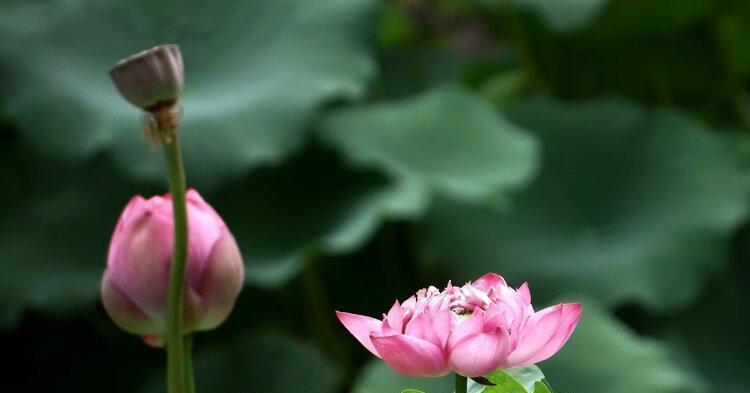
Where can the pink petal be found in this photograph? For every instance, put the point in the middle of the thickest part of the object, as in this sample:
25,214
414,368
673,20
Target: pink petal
410,302
221,282
467,328
195,200
544,334
361,327
489,280
571,314
494,317
442,323
524,294
396,317
480,354
434,327
139,257
205,229
411,356
126,314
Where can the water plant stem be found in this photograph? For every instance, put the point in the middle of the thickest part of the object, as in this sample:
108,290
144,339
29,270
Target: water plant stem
322,317
189,378
461,382
177,375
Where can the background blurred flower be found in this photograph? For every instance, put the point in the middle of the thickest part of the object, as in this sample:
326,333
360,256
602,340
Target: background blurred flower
134,287
472,330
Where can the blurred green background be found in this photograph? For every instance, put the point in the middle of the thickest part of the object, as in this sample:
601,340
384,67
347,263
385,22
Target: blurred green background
362,149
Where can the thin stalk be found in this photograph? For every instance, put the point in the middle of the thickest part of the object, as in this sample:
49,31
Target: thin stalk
516,22
189,375
461,382
322,315
741,107
176,375
733,81
389,258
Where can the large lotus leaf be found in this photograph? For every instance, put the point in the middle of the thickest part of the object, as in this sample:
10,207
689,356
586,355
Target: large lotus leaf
715,333
12,156
310,204
446,140
255,72
53,241
604,355
268,363
632,205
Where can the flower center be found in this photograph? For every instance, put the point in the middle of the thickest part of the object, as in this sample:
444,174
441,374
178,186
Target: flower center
465,299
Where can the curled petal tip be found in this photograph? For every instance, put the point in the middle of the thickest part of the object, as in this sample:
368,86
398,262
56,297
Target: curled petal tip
361,327
489,280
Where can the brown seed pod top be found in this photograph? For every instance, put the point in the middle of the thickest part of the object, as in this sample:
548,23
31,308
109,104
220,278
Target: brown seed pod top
151,79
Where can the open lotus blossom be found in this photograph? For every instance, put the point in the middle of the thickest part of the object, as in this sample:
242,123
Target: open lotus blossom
134,286
472,330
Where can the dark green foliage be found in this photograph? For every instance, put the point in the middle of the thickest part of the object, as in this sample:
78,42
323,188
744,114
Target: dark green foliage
362,149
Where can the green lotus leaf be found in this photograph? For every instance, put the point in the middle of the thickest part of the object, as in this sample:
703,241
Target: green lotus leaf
605,355
632,206
310,205
446,141
253,81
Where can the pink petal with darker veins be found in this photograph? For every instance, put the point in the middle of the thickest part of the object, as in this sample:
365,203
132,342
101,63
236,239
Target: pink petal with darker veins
411,356
489,280
361,327
480,354
545,333
571,314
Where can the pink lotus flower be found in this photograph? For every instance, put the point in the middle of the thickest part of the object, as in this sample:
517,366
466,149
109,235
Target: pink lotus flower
471,330
135,282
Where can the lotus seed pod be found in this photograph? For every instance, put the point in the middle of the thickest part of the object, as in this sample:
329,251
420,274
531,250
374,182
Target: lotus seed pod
151,79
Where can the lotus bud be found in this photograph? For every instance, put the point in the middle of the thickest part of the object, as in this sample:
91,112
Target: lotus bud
135,283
